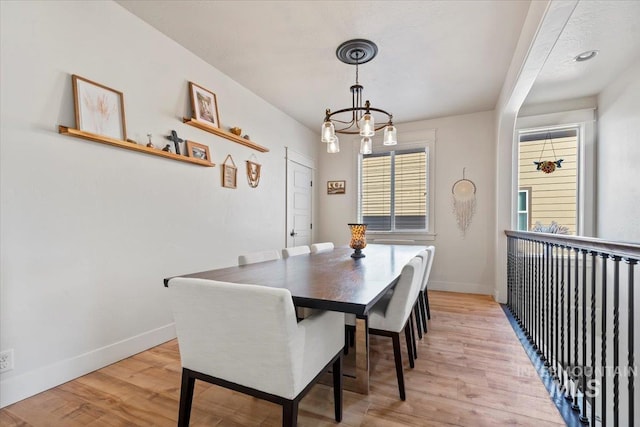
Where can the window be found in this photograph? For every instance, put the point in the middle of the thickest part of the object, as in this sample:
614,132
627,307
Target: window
524,218
393,191
576,130
551,197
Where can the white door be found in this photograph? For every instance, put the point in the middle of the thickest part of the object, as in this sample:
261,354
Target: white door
299,184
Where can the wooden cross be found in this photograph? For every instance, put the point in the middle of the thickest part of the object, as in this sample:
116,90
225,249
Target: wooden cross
176,140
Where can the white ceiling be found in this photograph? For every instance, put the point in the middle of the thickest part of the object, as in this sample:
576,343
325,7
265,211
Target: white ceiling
612,28
435,58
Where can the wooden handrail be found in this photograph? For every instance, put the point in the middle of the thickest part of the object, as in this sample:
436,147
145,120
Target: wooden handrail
591,244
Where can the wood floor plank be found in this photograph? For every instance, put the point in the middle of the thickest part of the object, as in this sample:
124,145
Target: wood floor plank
471,371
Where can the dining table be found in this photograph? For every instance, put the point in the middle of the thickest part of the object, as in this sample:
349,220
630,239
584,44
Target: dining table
330,280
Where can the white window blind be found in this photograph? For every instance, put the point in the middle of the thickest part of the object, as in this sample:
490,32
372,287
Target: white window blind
394,190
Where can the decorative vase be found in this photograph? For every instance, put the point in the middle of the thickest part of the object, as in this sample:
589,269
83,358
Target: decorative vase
358,239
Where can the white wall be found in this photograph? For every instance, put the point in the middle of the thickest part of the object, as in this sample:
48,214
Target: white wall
461,264
618,216
89,231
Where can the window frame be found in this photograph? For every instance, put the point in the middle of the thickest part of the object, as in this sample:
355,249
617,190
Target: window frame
426,142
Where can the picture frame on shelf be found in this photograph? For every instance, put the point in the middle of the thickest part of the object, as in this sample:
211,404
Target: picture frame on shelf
198,151
98,109
204,105
229,173
336,187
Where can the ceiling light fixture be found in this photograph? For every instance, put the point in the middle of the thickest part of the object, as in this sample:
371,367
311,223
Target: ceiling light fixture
585,56
359,119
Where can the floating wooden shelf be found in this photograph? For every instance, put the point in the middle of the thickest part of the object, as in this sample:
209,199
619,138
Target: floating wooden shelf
130,146
224,134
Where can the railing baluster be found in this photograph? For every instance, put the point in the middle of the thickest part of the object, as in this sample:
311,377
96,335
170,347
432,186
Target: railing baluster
603,345
538,310
545,316
583,383
631,362
554,306
559,299
593,336
560,275
568,396
575,406
616,337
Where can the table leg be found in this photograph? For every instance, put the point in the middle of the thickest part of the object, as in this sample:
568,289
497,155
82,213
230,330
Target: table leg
360,383
357,380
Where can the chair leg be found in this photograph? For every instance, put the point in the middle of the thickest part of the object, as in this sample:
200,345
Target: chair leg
346,340
186,398
409,338
337,388
398,358
416,312
414,347
290,413
423,311
426,301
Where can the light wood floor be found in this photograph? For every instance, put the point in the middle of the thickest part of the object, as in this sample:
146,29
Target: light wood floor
471,371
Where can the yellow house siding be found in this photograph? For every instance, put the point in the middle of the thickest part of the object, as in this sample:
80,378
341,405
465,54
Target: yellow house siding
553,196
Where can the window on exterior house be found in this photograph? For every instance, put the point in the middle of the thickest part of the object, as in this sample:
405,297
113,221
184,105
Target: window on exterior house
552,197
393,191
524,219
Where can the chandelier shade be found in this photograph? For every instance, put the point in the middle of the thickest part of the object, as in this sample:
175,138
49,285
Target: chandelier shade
366,145
333,146
357,119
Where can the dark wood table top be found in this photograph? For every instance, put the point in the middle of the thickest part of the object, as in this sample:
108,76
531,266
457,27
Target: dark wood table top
329,280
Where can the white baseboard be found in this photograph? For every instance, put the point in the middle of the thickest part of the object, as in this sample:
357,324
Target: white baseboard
30,383
466,288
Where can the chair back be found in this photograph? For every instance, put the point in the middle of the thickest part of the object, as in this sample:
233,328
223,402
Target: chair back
321,247
260,256
246,334
425,255
427,267
295,251
404,295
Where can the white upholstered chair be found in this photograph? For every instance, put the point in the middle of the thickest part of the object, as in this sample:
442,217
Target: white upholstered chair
260,256
321,247
392,314
246,338
295,251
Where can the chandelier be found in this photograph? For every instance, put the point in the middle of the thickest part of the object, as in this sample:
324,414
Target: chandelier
357,119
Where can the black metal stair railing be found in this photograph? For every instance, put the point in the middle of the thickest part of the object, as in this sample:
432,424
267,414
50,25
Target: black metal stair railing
574,300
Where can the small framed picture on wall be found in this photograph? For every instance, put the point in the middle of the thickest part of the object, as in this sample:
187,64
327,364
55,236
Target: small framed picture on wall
336,187
204,105
198,151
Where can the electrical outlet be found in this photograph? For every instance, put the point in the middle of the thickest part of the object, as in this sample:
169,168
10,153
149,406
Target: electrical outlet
6,360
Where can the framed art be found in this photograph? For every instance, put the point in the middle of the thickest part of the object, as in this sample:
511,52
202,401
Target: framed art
229,173
98,109
335,187
204,105
198,151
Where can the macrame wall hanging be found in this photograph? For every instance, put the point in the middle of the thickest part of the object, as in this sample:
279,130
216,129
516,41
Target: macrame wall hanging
253,171
548,166
464,202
